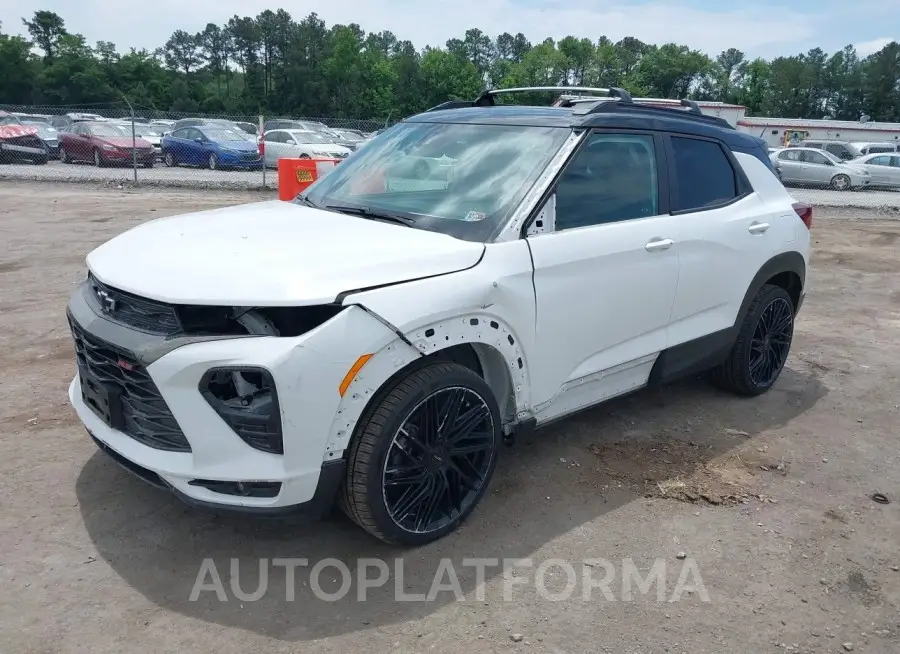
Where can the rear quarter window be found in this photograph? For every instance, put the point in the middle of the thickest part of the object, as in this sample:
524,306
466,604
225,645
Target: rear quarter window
704,177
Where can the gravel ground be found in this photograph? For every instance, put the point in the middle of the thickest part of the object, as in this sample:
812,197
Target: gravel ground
183,177
767,499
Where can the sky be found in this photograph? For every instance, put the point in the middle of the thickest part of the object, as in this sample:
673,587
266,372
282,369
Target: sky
766,28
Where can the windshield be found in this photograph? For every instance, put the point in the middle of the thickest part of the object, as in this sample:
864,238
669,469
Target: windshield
460,179
223,134
109,130
309,137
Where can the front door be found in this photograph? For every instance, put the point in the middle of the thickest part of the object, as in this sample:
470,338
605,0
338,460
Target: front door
605,275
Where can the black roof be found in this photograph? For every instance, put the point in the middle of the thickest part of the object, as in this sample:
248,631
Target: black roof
613,115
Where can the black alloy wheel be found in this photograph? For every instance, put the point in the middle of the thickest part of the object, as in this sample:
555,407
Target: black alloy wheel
438,460
423,455
771,342
763,343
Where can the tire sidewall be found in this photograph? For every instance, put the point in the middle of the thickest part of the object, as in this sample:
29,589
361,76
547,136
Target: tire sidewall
767,295
458,377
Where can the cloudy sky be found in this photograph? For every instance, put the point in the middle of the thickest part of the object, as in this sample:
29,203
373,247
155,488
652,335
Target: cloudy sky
759,27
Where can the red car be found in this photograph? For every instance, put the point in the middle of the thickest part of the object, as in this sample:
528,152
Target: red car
104,144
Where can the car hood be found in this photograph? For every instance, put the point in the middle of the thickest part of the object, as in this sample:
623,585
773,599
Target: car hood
271,254
242,146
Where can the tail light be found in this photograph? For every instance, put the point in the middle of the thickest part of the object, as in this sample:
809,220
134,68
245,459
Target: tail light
805,211
261,146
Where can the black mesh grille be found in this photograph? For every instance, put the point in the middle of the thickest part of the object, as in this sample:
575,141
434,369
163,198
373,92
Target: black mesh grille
147,417
147,315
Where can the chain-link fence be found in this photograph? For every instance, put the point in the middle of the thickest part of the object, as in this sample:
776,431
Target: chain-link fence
149,147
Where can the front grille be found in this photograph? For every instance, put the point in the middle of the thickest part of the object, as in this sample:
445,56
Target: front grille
147,418
146,315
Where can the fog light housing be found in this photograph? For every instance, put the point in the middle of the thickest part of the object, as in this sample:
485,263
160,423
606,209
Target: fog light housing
246,399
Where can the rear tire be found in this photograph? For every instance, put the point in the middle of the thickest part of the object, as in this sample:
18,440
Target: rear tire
762,346
64,157
169,159
423,455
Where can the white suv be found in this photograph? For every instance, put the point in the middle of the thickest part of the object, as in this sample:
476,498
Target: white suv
378,338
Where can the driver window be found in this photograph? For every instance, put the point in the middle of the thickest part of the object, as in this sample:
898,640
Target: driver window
612,178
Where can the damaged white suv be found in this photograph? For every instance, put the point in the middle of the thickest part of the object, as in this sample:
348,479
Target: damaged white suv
474,271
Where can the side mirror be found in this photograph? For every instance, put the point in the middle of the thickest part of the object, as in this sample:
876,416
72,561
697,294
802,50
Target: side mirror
198,139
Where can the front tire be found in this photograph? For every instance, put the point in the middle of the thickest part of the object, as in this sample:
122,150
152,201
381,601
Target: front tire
213,162
98,159
762,346
423,455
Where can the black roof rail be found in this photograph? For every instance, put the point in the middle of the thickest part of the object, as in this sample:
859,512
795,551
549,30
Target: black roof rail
693,112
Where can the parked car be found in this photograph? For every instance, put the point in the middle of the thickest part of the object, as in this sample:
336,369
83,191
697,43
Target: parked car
47,133
282,143
884,169
163,127
814,167
147,131
350,136
20,142
843,150
103,144
877,148
250,128
212,146
287,123
377,344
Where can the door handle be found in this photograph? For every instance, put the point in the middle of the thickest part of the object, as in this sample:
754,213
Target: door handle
758,228
659,244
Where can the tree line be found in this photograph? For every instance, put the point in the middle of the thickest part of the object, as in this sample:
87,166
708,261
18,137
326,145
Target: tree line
276,65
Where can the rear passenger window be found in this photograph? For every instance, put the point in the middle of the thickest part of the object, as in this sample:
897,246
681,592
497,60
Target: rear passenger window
703,175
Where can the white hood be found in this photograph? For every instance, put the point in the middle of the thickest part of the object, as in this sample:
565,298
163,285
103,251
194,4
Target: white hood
271,254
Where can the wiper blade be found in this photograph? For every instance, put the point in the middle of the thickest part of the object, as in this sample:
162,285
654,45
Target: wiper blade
302,199
373,214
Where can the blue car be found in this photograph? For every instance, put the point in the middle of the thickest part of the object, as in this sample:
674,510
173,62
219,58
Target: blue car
210,146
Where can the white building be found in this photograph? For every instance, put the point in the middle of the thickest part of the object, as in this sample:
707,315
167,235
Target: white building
730,112
778,132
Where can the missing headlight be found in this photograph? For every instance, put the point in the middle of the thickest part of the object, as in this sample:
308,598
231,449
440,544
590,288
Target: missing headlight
246,399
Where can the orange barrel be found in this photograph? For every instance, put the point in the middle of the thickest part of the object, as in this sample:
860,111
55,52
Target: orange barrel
295,175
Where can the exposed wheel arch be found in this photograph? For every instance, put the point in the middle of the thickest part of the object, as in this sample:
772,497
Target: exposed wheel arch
481,343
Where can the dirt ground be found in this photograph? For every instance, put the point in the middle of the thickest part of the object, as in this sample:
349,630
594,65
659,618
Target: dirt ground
769,497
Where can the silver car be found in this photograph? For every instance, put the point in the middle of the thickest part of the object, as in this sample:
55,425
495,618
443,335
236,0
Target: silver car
813,167
299,143
884,169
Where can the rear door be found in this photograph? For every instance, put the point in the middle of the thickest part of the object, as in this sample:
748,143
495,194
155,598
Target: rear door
725,233
790,163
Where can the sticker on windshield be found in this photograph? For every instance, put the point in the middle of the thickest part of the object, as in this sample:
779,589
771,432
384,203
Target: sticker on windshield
474,216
